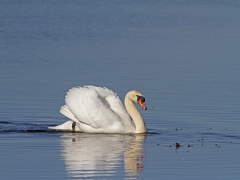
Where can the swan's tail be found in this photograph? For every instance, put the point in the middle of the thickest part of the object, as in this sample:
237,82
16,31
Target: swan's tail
67,126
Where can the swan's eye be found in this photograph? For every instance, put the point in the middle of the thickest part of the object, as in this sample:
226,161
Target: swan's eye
140,97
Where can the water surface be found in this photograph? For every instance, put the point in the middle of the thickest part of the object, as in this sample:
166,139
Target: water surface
182,55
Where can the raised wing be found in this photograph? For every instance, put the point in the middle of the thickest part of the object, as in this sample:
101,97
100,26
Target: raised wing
90,105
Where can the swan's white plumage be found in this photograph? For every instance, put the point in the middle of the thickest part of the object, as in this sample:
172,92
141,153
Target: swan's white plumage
96,110
66,112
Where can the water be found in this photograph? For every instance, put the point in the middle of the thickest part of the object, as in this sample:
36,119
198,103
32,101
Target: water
182,55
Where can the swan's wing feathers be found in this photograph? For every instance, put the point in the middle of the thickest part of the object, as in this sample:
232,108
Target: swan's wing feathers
98,109
117,106
66,112
73,101
102,91
115,103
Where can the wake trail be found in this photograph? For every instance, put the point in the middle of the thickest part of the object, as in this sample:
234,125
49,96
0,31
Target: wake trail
12,127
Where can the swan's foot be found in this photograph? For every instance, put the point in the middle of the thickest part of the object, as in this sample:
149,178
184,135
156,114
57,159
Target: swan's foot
73,126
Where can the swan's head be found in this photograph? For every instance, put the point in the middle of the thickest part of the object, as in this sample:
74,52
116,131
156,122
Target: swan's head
137,97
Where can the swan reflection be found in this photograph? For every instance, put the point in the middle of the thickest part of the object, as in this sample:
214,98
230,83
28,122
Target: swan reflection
95,155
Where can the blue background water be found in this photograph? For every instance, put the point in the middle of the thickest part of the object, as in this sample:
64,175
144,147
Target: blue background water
182,55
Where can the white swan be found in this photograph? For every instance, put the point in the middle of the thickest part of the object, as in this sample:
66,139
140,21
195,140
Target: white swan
94,109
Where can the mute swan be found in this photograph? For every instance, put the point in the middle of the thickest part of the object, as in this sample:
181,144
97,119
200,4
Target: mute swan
94,109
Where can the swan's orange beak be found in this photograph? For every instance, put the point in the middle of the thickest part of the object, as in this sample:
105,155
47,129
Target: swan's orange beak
141,103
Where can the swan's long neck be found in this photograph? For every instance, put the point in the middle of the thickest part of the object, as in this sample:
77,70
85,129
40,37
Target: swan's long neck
135,115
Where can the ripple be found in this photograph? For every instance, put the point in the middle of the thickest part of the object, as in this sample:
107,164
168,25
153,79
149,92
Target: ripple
22,127
153,131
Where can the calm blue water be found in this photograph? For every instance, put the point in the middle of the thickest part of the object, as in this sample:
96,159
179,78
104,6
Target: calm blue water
182,55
